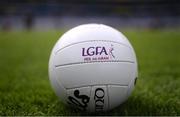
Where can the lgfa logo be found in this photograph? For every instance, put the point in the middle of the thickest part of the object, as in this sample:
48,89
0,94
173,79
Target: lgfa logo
98,51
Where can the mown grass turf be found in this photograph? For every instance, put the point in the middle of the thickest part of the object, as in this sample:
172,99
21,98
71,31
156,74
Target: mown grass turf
25,87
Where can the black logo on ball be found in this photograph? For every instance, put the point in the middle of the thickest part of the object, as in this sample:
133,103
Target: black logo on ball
99,99
74,100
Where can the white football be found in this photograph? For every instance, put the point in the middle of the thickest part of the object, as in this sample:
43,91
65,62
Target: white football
93,67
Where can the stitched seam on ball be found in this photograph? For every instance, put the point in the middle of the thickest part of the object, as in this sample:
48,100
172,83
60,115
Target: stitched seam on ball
108,96
77,87
92,41
113,61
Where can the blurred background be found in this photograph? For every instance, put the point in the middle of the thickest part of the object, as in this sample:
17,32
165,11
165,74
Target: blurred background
65,14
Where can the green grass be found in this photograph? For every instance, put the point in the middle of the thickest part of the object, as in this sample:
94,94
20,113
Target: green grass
25,87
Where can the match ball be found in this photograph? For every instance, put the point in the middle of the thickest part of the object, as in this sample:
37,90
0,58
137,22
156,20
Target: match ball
93,68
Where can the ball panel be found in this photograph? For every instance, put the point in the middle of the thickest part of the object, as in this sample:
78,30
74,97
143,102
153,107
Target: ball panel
88,74
117,95
56,85
131,86
93,51
99,99
79,97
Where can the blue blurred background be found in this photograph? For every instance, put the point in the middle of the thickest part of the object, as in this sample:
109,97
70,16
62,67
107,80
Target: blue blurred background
65,14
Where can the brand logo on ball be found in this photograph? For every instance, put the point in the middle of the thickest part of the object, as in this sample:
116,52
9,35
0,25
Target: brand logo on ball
82,105
98,53
99,99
